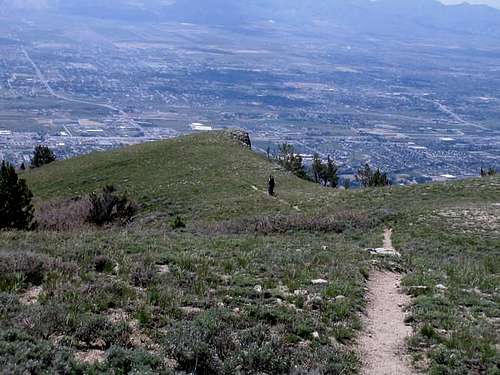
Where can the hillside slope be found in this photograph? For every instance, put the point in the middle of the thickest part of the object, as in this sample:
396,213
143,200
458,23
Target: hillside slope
254,284
208,176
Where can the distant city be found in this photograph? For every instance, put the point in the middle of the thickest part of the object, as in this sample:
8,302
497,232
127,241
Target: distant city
418,111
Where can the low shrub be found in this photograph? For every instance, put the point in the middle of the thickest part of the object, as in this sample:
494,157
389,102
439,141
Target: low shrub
142,276
177,223
103,264
21,353
44,321
65,215
22,268
107,207
96,331
123,361
102,294
336,223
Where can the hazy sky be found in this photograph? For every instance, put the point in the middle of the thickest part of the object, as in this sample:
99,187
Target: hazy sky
494,3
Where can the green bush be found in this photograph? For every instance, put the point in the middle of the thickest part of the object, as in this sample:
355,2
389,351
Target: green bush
122,361
177,223
94,328
22,354
107,207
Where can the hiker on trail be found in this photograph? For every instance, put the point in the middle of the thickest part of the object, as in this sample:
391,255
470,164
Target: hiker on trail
270,186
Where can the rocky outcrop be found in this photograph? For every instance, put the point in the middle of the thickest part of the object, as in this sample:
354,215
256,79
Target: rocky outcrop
241,136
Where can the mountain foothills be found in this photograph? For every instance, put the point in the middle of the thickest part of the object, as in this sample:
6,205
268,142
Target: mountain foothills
422,17
213,276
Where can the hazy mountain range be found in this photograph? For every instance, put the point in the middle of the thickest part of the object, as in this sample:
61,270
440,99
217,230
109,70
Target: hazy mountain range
422,18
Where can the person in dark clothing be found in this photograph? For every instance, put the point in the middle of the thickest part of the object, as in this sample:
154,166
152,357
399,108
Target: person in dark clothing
271,185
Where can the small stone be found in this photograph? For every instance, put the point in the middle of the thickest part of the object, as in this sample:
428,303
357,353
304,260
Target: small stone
258,288
300,292
340,298
319,281
315,335
441,287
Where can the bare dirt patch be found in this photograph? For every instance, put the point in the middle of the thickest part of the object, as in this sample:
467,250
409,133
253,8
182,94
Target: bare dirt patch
90,356
483,220
30,297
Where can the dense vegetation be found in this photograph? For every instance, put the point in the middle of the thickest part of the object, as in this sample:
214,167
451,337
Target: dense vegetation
214,276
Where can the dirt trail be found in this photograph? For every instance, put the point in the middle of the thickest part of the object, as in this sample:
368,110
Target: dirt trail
296,208
383,342
388,239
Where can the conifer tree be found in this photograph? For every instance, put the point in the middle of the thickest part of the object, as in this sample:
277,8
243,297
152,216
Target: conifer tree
368,178
291,161
317,168
16,210
331,173
42,156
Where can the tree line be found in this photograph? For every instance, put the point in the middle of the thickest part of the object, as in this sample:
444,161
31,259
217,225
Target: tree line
326,172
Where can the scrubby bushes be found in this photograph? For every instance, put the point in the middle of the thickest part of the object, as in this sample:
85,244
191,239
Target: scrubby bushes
95,331
65,215
22,268
337,223
22,354
107,207
100,208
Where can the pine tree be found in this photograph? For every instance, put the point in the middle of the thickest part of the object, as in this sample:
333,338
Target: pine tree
16,210
290,161
317,168
364,175
42,156
331,173
367,178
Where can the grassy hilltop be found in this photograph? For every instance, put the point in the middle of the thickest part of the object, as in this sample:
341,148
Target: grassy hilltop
253,284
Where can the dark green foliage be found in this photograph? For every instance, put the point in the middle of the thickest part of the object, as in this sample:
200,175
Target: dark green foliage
103,264
369,178
42,156
291,161
325,173
177,223
346,183
489,172
16,210
107,207
317,168
331,177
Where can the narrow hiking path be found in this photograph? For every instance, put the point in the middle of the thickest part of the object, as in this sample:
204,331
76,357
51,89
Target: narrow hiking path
382,344
296,208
